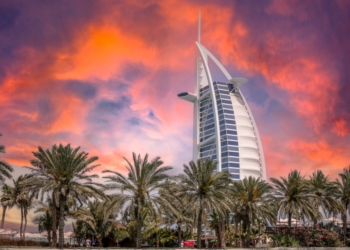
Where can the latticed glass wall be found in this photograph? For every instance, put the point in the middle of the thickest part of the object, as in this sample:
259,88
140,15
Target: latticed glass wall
206,126
228,130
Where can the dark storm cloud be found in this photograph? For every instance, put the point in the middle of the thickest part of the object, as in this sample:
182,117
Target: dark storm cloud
134,71
8,17
46,112
107,106
134,121
83,90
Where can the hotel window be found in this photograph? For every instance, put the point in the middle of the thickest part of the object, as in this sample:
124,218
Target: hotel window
232,159
233,154
231,127
228,111
229,116
233,165
232,143
232,138
233,171
230,122
233,148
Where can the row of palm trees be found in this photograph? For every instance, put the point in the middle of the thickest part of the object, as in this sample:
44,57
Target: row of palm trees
149,198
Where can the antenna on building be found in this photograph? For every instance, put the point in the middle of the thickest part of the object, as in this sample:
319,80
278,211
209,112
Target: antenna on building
199,27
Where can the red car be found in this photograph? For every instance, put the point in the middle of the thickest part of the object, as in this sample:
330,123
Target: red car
188,243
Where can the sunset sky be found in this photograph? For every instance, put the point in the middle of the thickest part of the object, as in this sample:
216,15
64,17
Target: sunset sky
105,75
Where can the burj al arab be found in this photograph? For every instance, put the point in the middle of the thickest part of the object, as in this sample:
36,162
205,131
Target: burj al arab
224,128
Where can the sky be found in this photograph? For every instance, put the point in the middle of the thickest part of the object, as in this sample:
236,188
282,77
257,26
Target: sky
104,75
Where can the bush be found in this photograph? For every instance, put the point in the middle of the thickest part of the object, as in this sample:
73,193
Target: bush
22,243
280,240
317,237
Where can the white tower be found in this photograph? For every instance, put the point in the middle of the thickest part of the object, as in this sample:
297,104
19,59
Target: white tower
223,125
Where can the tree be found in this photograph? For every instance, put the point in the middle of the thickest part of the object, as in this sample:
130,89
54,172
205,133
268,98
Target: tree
204,189
7,201
165,236
254,197
97,221
119,234
44,222
214,224
22,199
80,231
64,171
293,196
5,168
139,188
325,192
175,210
343,195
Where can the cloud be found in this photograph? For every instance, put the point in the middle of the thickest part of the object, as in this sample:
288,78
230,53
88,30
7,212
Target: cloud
105,76
83,90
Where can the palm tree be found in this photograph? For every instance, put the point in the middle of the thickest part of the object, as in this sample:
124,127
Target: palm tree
204,189
293,196
254,197
175,211
96,219
22,199
64,171
5,168
141,186
325,192
165,236
44,222
7,201
214,224
344,195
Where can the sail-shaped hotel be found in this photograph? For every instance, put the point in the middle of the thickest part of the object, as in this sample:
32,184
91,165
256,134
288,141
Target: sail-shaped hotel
223,125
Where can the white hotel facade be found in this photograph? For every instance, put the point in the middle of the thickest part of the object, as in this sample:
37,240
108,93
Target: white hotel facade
223,125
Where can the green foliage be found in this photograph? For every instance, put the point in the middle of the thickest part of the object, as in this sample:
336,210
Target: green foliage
79,230
119,234
165,236
96,220
203,188
253,198
280,240
64,170
289,241
44,222
294,195
139,189
5,168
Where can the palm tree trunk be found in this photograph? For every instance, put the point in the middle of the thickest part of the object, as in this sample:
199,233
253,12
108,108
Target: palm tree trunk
199,227
138,226
222,231
236,230
3,216
20,229
289,222
218,239
61,221
179,232
157,243
344,222
54,221
100,242
25,223
240,234
49,236
248,232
